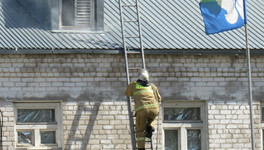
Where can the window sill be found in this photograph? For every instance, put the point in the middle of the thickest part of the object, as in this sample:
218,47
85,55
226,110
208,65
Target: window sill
180,125
182,121
37,123
38,148
78,31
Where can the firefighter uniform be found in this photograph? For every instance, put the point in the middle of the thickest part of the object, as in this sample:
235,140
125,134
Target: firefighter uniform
146,107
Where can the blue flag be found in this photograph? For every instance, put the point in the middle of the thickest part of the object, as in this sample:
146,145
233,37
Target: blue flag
223,15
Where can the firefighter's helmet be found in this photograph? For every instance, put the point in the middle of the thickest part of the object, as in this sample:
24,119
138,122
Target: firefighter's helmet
143,75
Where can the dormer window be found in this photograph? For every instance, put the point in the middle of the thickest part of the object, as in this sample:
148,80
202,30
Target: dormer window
78,14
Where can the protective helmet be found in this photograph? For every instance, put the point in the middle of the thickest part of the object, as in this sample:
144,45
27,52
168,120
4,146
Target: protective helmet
143,75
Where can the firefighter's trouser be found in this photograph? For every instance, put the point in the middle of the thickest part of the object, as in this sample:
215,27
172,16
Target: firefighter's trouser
144,118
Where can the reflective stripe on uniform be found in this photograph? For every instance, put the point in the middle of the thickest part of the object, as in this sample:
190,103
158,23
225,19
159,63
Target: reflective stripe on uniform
142,89
138,86
146,106
140,138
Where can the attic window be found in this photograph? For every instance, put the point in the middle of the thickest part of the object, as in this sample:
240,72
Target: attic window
78,14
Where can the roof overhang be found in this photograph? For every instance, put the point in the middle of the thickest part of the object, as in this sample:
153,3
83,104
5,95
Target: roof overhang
235,52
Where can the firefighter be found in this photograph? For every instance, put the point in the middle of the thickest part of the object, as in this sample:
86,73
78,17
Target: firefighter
146,98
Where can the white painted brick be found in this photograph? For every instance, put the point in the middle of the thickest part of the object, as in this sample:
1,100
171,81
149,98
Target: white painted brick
107,127
76,77
226,145
225,112
213,112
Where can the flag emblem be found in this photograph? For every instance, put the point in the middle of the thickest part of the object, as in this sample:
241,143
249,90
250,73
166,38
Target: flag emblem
222,15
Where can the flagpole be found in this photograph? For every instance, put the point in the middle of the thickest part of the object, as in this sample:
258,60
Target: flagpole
249,79
250,90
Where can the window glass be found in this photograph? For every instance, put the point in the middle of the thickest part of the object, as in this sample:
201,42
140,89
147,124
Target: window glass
35,115
194,139
263,138
25,137
180,114
67,13
171,139
48,137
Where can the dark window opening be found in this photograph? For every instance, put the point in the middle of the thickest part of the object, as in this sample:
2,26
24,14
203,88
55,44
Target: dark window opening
171,140
78,14
194,139
48,137
25,137
35,115
182,114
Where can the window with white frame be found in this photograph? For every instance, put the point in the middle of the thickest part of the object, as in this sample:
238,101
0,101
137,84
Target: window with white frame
184,125
262,122
78,14
38,125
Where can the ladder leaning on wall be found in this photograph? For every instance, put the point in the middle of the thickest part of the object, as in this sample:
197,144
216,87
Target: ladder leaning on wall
131,33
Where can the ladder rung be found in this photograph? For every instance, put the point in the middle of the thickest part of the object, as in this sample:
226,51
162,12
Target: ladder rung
129,5
132,36
130,20
134,68
133,52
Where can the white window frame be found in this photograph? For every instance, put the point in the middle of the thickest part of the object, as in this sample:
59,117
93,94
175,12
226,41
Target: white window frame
261,125
183,126
37,127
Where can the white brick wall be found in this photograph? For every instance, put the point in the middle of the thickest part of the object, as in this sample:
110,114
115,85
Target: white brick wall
8,125
229,126
96,125
91,88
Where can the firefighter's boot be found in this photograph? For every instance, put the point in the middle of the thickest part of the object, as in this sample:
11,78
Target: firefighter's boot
149,131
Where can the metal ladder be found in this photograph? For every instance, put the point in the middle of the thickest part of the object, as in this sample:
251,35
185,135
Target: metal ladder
130,17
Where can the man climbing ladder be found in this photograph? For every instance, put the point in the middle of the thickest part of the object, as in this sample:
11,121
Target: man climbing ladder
146,98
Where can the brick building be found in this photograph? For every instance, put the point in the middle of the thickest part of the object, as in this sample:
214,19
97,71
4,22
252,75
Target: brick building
63,82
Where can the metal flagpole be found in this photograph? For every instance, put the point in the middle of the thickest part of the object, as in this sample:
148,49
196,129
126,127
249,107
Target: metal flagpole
249,79
250,91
